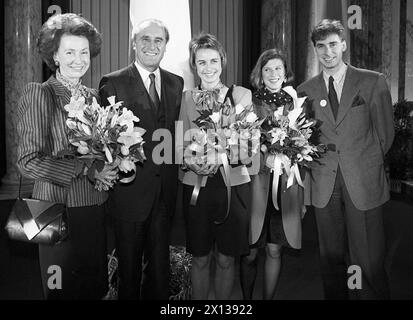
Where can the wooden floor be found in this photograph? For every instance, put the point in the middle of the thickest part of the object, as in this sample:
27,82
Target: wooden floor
300,275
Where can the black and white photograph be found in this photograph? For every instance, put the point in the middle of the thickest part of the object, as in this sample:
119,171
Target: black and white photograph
206,155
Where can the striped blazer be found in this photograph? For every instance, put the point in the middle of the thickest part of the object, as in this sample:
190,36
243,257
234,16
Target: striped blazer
42,133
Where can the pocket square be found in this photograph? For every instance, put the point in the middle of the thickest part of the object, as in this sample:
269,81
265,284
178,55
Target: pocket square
358,101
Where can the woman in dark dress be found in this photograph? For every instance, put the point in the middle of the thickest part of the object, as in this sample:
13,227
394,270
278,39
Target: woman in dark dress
270,228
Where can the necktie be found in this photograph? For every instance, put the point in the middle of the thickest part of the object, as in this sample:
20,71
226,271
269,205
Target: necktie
332,96
153,93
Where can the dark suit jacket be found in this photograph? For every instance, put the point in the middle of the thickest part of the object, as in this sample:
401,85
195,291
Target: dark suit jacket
362,134
134,201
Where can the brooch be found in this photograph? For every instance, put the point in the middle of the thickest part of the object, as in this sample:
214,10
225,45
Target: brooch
323,103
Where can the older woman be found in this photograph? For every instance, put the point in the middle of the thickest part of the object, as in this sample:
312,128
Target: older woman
204,237
66,43
270,228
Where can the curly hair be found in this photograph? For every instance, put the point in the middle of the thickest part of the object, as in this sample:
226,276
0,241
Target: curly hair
326,27
50,34
206,41
256,74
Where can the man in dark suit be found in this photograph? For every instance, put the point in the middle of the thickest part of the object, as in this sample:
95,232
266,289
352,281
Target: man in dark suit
143,208
349,186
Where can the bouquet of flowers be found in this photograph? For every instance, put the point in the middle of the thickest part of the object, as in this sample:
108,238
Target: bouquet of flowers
226,134
287,142
105,136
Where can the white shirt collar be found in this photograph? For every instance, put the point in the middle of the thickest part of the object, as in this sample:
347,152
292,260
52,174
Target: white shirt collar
147,81
338,76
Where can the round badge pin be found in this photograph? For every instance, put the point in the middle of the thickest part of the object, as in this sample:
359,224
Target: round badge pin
323,103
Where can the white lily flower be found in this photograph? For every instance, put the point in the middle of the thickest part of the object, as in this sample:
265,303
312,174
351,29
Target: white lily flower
72,125
131,138
251,117
113,103
293,115
75,108
82,147
239,108
127,118
279,112
112,100
278,135
108,154
86,129
215,117
298,102
127,165
124,150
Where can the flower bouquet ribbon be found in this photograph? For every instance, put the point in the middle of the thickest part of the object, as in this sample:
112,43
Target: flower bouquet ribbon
202,179
280,163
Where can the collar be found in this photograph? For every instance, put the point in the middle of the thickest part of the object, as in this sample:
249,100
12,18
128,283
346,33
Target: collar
338,76
77,90
145,73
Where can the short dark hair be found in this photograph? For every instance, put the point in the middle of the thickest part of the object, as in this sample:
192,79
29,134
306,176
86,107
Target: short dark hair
206,41
55,27
267,55
143,24
326,27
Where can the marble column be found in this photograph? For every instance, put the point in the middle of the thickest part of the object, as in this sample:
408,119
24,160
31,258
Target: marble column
23,19
276,26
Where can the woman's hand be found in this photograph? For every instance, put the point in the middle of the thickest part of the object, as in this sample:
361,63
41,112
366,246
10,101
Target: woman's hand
108,176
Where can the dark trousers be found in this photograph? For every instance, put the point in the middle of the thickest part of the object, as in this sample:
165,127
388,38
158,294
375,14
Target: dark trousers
143,247
81,258
349,236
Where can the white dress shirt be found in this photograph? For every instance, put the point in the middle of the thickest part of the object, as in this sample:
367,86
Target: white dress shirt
147,81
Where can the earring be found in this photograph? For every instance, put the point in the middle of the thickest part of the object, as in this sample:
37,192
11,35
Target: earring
56,63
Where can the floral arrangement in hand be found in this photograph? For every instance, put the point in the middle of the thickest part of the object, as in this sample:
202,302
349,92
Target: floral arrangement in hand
287,143
226,132
105,135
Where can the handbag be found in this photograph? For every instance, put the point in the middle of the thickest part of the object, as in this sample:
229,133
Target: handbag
37,221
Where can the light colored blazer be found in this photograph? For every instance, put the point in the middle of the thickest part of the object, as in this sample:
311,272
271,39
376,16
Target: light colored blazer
362,134
42,133
291,204
238,175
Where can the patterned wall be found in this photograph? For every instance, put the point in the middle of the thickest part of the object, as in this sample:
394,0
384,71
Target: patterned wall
111,18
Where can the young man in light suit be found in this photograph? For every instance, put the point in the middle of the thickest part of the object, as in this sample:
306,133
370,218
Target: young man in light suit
349,186
143,208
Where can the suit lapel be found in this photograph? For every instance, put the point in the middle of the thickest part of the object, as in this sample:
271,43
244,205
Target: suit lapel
167,92
350,91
